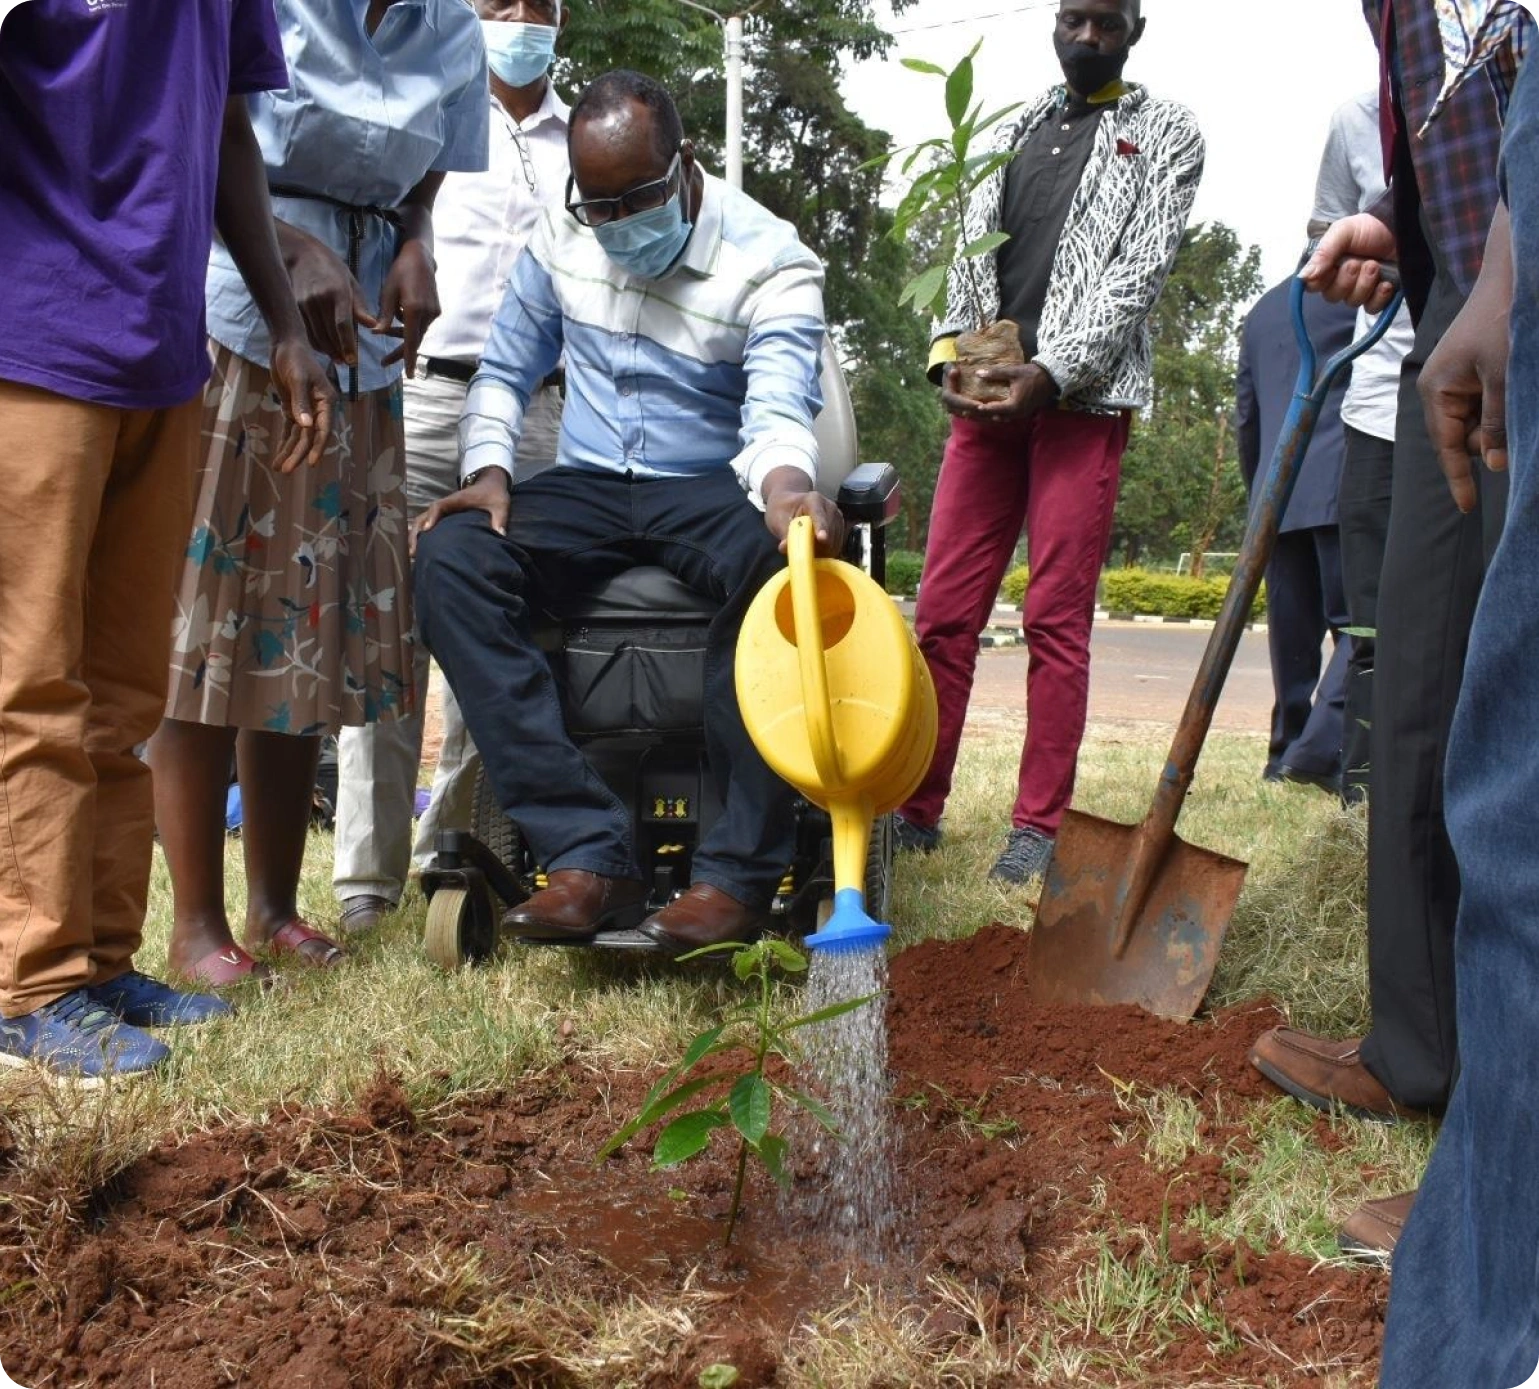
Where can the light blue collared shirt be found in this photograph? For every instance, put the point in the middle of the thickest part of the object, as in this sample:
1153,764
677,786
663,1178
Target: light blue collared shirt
713,365
363,121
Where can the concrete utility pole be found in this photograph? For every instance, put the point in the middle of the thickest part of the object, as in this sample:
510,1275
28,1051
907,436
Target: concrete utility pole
732,36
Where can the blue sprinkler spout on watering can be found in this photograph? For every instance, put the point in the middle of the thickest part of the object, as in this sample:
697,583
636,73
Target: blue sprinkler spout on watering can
838,700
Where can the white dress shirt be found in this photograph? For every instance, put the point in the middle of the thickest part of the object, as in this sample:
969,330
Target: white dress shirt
1351,181
481,222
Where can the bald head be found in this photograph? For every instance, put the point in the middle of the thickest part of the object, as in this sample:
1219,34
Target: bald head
623,106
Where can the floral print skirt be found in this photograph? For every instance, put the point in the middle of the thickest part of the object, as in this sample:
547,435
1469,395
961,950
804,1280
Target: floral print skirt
294,610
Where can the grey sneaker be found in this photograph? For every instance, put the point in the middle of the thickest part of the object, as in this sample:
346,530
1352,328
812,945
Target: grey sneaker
1027,855
909,838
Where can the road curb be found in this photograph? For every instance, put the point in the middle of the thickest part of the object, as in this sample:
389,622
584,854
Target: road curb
1004,616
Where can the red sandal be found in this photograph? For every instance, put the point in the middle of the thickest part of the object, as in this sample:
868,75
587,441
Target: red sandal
294,936
223,969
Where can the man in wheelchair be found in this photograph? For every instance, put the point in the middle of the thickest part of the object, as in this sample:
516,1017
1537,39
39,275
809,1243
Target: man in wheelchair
691,323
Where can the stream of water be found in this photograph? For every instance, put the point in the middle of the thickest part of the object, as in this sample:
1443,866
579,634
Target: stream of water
847,1065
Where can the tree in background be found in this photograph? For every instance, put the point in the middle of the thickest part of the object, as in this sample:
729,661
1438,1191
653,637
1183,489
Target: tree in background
1181,485
804,158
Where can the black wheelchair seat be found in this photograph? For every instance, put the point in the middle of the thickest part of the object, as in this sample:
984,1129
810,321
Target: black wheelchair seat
629,658
632,595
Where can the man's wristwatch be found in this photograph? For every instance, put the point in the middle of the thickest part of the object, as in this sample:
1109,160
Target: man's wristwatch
475,477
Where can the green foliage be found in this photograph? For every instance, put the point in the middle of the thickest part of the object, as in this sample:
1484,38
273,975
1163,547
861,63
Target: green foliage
1014,586
886,346
903,570
949,170
742,1102
1141,592
1181,487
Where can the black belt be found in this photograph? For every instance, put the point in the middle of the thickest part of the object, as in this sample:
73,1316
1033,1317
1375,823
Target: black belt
448,367
356,213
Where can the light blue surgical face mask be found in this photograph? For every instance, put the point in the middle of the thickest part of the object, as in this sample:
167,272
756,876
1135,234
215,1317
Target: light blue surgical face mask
519,53
647,243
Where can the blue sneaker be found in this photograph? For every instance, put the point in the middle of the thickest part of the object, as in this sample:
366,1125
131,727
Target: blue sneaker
77,1038
144,1002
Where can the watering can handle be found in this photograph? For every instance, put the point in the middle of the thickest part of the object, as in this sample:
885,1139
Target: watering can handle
809,650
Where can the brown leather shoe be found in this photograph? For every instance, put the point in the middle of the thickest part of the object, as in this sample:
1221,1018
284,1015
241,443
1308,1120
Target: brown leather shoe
1328,1075
704,915
576,906
1373,1229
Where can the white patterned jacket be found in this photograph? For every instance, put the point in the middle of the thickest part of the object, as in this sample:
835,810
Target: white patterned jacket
1123,231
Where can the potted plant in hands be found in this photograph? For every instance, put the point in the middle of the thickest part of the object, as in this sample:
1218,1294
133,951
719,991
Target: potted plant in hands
950,171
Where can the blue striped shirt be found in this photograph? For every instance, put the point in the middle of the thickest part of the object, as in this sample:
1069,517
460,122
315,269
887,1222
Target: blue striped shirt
713,365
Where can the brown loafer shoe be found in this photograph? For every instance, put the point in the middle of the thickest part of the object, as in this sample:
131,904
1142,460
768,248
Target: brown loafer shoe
1328,1075
1373,1229
704,916
576,906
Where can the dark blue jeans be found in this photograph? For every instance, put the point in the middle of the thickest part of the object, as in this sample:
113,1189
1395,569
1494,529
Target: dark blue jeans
1464,1306
571,529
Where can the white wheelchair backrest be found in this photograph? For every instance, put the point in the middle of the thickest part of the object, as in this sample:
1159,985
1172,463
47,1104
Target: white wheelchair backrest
834,428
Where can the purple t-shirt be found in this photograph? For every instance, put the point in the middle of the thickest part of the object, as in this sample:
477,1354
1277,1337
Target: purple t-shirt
110,117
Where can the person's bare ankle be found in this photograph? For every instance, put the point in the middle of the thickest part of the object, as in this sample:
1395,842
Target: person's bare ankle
192,942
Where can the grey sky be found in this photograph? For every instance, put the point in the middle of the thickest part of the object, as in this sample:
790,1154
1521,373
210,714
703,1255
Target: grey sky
1263,77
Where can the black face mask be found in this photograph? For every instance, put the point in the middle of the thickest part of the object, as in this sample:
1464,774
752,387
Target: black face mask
1086,68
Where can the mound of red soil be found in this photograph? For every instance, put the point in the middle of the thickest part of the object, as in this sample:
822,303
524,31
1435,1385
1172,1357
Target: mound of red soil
480,1245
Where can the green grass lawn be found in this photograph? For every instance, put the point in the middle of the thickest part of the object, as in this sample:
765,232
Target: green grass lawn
1298,936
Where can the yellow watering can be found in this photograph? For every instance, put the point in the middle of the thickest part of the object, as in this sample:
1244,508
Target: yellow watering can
839,702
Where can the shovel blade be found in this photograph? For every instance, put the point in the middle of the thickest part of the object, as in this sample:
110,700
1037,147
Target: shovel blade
1172,952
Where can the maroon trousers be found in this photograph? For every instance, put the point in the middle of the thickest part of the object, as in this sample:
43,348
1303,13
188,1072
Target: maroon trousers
1055,473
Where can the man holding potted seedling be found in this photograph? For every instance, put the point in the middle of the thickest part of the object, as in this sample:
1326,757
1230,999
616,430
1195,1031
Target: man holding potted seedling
1078,228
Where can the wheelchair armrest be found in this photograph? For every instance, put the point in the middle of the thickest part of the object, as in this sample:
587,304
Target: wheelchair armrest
871,494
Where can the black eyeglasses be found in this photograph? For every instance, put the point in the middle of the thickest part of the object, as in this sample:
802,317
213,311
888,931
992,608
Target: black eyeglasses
644,197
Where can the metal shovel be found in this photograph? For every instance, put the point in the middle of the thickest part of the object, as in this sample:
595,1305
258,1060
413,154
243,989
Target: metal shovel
1132,913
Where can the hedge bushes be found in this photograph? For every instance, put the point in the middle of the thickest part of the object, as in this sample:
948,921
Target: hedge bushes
1139,591
903,570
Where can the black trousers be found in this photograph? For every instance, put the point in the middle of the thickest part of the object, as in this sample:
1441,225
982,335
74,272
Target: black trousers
1304,602
1363,509
572,528
1434,561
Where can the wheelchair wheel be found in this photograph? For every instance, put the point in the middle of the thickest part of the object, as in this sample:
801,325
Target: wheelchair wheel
494,829
879,854
460,930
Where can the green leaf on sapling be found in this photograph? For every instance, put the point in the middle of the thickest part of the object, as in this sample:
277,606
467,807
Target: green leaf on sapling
786,955
772,1153
834,1010
992,241
686,1136
749,1106
959,91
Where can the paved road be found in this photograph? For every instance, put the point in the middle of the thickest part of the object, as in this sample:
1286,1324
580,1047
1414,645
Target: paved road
1139,672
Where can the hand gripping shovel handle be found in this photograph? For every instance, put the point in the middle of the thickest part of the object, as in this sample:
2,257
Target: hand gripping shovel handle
1159,826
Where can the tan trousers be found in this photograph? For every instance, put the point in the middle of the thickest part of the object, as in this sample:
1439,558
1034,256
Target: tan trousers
95,510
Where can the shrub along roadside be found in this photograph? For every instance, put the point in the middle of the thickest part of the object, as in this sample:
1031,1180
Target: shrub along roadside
1140,592
903,570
